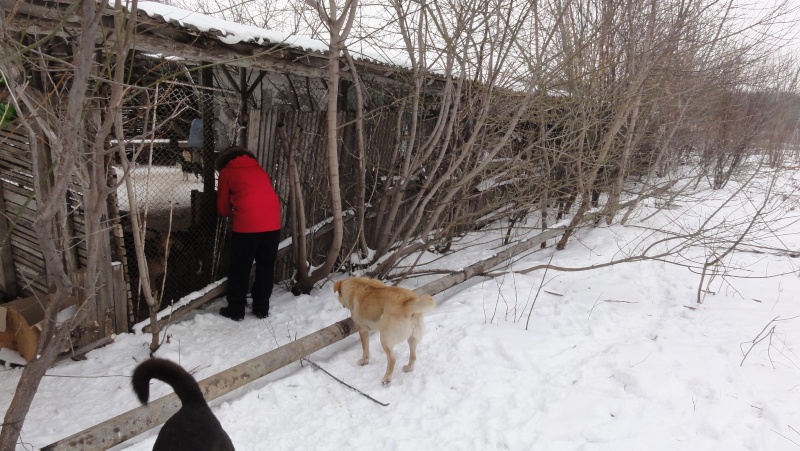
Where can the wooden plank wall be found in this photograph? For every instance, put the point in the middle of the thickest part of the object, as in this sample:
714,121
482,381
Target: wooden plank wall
102,315
311,159
16,183
106,314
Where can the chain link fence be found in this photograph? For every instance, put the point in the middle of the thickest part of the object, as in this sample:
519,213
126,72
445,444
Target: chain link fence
185,243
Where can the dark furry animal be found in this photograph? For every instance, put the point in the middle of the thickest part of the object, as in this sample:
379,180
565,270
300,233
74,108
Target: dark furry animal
189,167
156,255
194,427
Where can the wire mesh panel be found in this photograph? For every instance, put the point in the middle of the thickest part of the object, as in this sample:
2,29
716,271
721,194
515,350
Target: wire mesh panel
184,243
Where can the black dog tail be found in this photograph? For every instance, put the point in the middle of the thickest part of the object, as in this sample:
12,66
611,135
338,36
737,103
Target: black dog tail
170,372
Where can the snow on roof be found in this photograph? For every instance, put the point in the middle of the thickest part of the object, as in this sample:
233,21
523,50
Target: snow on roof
234,33
229,32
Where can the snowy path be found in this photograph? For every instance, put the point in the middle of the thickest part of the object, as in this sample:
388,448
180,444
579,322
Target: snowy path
619,358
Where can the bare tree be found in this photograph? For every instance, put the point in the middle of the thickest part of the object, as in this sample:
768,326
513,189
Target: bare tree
339,25
69,107
59,110
510,107
436,163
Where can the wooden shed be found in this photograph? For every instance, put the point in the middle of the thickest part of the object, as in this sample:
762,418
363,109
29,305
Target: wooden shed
247,78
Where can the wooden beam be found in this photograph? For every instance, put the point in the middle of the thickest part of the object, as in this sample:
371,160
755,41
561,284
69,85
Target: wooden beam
181,311
130,424
255,84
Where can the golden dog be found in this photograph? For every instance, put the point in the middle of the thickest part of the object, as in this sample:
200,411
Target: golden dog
395,312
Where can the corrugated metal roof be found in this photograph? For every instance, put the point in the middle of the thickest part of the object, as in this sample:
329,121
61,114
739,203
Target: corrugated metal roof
232,33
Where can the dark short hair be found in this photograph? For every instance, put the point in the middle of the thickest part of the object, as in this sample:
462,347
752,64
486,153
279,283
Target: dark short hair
230,153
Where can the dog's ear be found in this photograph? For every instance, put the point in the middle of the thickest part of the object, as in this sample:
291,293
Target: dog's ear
336,286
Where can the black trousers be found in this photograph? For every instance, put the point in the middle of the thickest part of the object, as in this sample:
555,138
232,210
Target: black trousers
261,247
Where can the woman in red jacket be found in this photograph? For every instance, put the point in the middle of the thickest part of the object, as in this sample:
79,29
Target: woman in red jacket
245,191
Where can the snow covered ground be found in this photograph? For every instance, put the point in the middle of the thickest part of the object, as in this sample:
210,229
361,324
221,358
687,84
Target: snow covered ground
616,358
159,187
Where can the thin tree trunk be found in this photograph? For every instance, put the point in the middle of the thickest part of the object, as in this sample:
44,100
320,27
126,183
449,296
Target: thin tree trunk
339,26
362,171
66,133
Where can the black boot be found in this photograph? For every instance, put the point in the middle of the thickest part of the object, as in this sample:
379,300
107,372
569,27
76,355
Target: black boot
261,313
227,312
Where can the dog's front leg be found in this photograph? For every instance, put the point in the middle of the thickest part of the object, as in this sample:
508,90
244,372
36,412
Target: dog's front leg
364,334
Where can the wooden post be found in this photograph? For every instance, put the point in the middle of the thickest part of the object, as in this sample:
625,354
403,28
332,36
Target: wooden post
123,298
267,153
254,129
244,92
251,122
121,292
207,110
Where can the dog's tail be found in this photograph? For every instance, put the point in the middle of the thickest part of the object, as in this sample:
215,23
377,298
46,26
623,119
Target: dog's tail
182,382
422,304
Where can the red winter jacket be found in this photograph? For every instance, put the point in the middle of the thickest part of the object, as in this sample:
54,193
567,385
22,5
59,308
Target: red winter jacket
245,190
